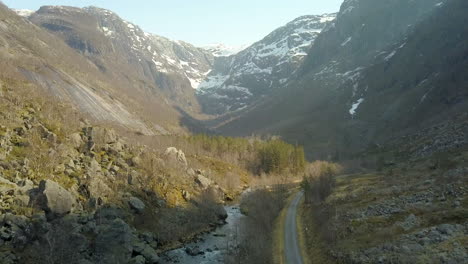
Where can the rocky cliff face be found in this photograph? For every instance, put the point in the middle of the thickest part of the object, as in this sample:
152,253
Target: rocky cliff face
330,99
118,47
237,81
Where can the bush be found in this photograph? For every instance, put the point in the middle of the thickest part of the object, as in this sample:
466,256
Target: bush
319,180
262,208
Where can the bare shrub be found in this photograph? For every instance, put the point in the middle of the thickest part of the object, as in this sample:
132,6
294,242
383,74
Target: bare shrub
319,181
262,208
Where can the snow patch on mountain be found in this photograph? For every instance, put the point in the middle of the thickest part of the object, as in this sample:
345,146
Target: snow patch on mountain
222,50
24,12
161,54
264,66
355,106
346,41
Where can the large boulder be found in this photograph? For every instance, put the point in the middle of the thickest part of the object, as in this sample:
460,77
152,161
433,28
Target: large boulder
54,199
221,213
136,204
175,156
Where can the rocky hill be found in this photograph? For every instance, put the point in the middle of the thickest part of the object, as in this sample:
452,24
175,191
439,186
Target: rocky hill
85,191
239,80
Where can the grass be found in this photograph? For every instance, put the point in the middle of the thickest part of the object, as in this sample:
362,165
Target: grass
314,249
302,236
278,235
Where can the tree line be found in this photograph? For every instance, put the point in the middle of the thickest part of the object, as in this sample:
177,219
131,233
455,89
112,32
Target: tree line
271,156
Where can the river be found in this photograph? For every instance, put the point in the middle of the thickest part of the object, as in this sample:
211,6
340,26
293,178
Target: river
212,246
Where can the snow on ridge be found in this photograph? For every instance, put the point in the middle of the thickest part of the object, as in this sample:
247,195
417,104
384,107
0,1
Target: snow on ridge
389,56
212,82
24,12
222,50
327,18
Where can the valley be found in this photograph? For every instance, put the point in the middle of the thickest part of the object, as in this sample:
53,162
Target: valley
336,138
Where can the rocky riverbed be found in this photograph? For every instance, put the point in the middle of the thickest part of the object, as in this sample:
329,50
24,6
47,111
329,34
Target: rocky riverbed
211,247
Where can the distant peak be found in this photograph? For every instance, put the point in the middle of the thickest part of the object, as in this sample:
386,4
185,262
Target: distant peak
24,12
223,50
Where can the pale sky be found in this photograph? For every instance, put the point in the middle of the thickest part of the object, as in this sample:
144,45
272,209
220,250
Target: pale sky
202,22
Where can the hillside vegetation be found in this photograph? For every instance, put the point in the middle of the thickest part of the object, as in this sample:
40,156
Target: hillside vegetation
66,182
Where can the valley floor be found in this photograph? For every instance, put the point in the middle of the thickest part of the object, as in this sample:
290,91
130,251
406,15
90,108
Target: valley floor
409,213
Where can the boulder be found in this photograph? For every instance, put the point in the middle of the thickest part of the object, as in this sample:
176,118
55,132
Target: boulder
6,185
55,200
114,242
175,156
221,213
75,140
136,161
133,177
136,204
147,252
203,181
98,188
116,148
94,167
102,135
150,255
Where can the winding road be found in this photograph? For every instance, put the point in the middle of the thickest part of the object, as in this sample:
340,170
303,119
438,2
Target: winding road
291,241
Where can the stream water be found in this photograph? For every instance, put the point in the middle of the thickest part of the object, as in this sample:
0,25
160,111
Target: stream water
211,247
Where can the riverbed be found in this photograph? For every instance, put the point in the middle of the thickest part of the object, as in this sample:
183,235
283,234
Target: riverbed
211,247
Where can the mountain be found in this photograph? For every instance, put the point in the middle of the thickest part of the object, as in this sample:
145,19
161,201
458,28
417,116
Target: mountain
221,50
118,47
33,57
237,81
364,80
106,67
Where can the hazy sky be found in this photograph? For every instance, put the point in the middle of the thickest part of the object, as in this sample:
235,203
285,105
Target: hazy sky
201,22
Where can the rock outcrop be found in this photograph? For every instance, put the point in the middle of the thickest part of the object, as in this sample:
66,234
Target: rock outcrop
175,156
54,199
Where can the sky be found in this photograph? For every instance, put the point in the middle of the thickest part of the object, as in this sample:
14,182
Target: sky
202,22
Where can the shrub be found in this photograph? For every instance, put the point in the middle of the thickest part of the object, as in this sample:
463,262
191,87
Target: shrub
319,180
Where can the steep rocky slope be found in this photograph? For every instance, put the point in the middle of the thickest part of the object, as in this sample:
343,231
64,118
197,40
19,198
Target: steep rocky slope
121,49
35,57
237,81
365,78
71,192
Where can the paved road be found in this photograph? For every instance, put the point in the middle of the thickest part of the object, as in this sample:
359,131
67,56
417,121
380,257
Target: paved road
291,243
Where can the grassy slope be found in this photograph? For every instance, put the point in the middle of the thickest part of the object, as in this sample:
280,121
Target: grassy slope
359,228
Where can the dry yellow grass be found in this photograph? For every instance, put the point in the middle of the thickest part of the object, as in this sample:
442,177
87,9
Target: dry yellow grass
302,238
278,236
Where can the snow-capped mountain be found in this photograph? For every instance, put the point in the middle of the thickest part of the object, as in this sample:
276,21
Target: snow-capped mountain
239,80
222,50
115,45
378,70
